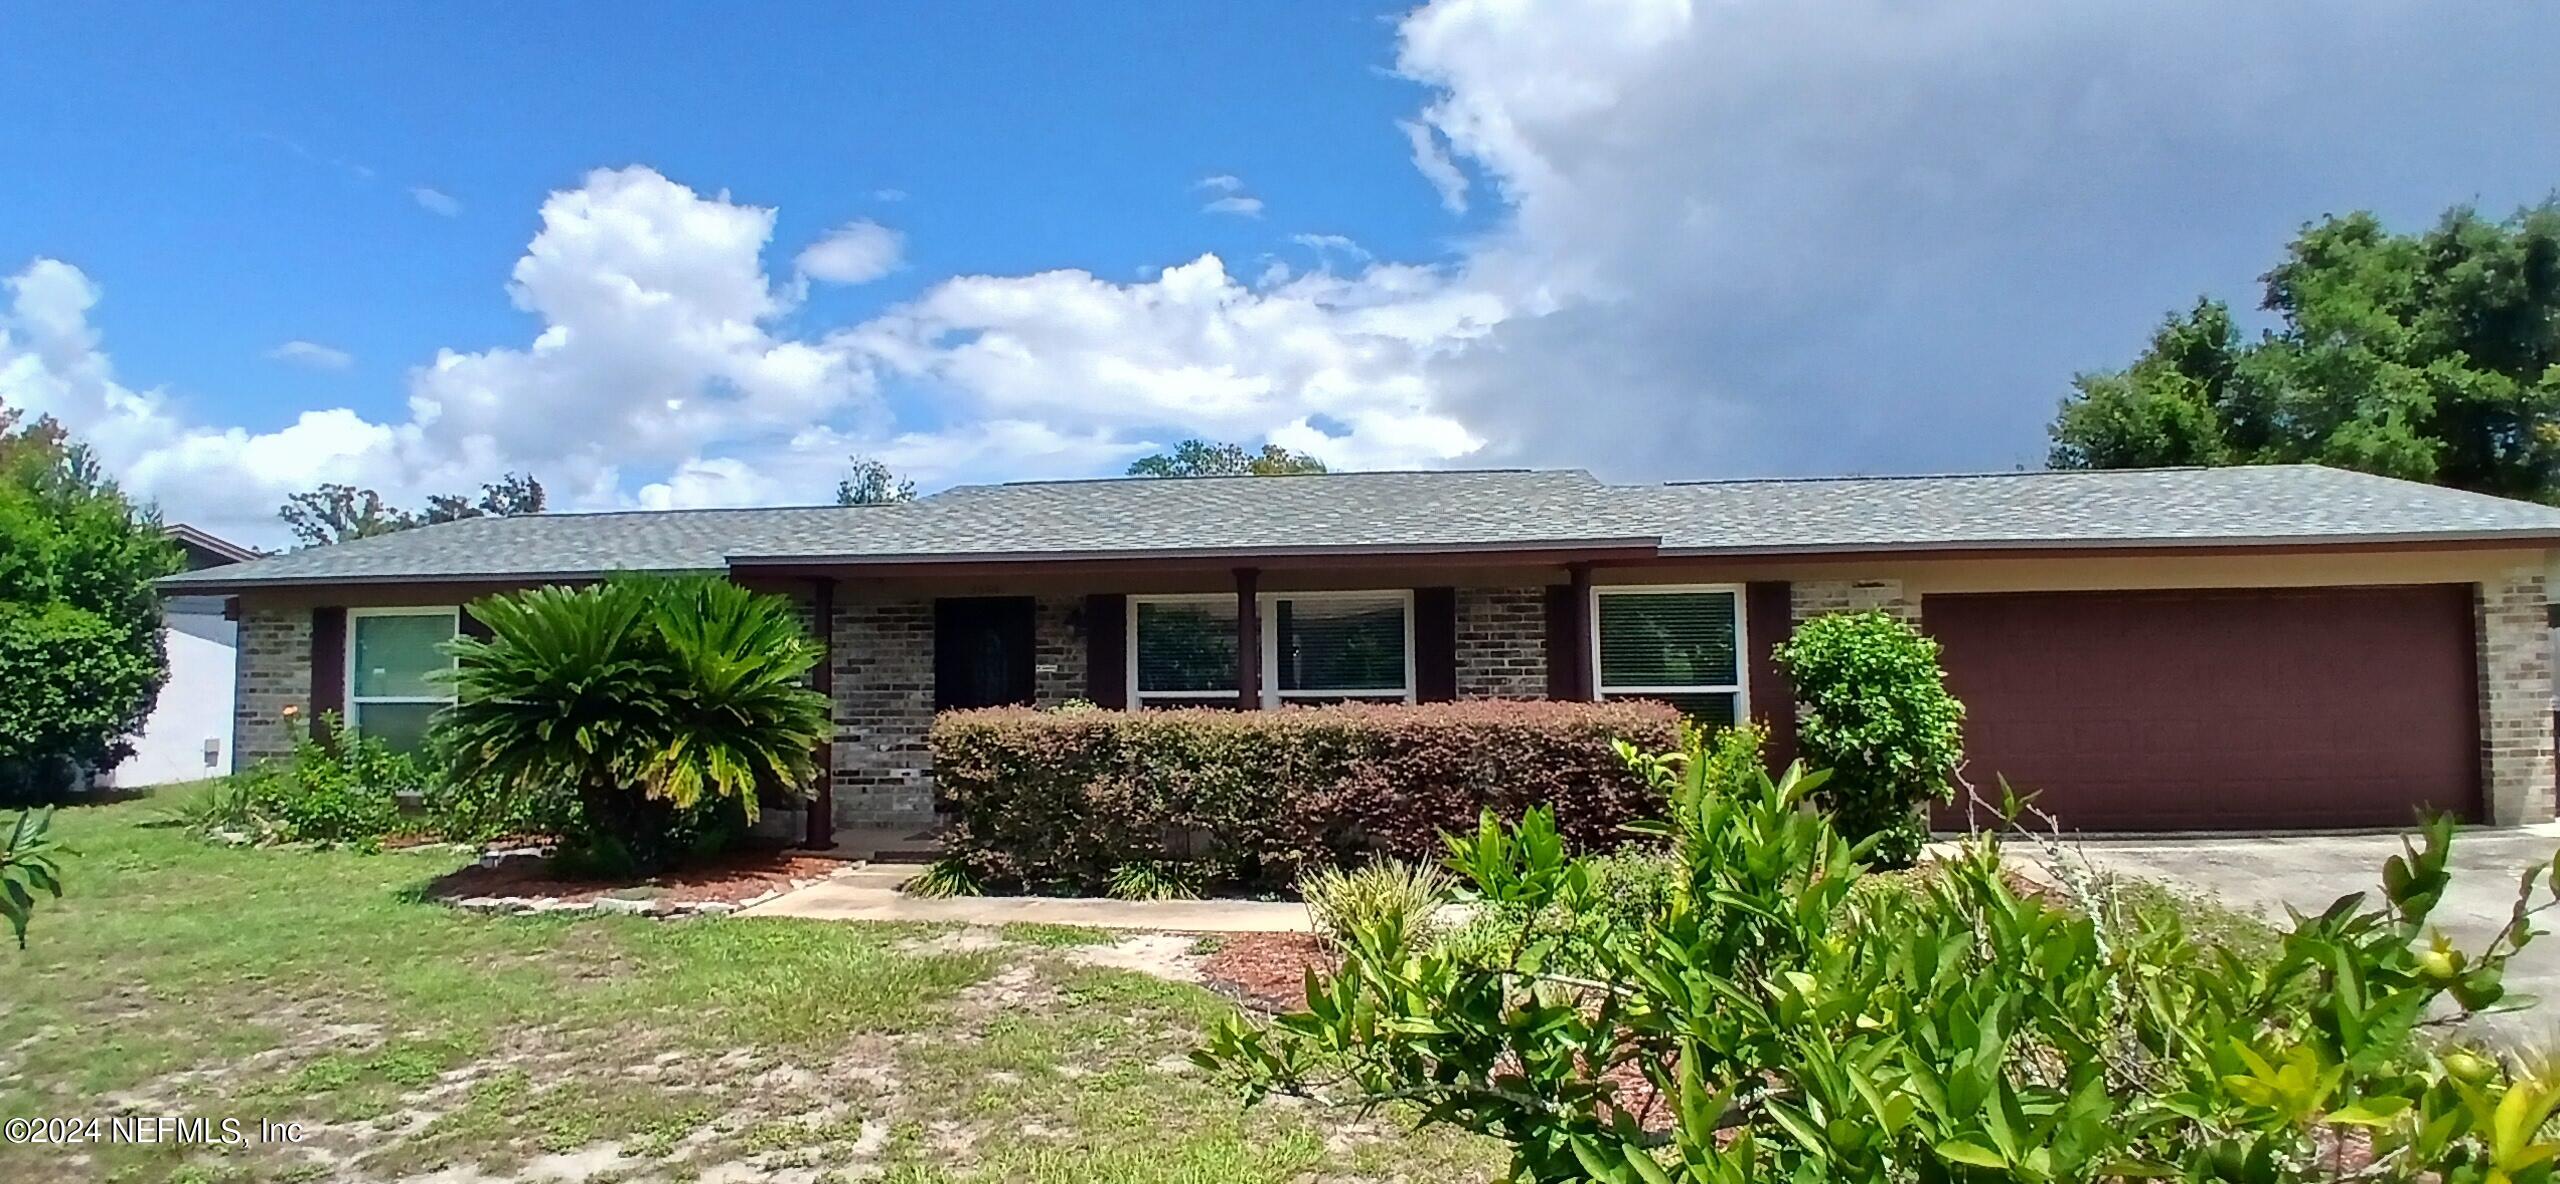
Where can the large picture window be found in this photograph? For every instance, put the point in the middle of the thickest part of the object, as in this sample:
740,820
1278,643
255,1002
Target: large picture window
1317,647
1682,645
391,652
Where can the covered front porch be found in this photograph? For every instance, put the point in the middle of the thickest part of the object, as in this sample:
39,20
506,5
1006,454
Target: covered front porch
908,641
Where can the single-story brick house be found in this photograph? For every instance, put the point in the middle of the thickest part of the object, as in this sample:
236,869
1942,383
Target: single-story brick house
2285,646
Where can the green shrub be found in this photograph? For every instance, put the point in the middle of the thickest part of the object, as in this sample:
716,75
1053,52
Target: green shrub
664,706
1622,893
943,879
1873,708
1057,801
342,790
1405,894
1767,1020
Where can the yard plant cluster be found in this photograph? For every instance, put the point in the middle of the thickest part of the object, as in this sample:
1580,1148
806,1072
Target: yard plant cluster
638,722
1777,1014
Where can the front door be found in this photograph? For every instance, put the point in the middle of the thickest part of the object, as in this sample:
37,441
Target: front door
982,652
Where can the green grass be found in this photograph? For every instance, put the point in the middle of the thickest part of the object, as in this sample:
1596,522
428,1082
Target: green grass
179,978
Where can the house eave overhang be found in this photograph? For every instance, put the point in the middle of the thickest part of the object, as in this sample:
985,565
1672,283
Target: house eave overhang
2090,548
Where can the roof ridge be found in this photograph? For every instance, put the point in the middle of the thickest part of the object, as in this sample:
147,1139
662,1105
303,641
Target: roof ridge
1139,477
1960,476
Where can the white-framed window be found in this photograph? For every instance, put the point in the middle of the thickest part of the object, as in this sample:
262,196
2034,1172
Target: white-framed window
1317,647
391,654
1680,643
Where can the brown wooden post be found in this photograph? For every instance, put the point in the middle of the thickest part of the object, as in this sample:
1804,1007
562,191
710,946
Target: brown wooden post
1248,638
1578,608
820,826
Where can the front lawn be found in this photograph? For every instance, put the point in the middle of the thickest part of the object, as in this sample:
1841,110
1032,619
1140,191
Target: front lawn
186,980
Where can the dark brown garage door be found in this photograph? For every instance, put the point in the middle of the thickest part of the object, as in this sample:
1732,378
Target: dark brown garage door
2223,709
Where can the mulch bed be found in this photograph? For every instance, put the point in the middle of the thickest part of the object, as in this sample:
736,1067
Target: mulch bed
1268,971
730,878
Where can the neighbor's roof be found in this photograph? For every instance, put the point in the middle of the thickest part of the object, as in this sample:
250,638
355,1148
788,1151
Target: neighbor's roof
527,546
1438,513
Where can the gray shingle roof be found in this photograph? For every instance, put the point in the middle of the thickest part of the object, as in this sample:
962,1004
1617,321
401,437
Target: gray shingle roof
1219,515
532,545
1440,511
2261,504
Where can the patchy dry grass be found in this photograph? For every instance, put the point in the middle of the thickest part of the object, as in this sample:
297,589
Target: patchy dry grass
414,1042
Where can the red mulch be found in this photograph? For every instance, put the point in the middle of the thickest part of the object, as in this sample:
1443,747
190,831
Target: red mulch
731,877
1269,970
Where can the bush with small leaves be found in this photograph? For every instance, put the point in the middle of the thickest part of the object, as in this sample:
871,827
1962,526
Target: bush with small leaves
1770,1022
1873,708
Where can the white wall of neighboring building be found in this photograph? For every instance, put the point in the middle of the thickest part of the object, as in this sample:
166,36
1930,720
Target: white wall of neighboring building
194,710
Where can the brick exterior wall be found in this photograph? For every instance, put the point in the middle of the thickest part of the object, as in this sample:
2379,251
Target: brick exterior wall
1058,651
273,673
1502,643
1813,598
2514,641
883,666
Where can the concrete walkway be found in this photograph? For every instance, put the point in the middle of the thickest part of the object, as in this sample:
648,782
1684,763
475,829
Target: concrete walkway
2266,875
871,894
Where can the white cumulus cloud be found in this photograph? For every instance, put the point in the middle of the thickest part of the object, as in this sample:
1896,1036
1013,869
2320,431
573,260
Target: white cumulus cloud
857,252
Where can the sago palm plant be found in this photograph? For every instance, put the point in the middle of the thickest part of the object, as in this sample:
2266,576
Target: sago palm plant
649,699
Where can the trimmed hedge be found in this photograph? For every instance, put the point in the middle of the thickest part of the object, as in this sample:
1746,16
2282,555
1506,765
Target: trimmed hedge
1055,800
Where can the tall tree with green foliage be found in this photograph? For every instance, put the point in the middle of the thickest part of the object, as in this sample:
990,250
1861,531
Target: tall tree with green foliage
869,482
336,513
1202,458
2425,356
81,655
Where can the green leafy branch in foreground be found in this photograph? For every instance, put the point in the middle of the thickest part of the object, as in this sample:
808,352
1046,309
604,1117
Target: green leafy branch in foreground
1785,1017
28,866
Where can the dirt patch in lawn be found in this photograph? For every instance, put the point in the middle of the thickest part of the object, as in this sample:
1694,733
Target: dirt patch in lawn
731,878
1268,970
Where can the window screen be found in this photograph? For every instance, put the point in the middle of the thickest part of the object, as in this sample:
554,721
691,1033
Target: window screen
391,656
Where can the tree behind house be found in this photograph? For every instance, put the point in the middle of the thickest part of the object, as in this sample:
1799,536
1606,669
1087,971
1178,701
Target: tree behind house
1202,458
2432,357
336,513
869,482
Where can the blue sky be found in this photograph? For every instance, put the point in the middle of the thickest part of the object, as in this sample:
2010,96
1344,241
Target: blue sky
1649,238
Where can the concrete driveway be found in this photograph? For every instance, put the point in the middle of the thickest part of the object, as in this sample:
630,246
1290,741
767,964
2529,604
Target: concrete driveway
2309,872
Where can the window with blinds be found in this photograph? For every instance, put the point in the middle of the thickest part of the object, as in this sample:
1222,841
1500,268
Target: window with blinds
1183,650
1681,645
1340,647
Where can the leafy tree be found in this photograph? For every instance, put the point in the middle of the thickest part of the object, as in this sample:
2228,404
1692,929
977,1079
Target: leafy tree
2425,356
868,482
665,704
81,657
336,513
506,497
1201,458
1781,1016
1873,708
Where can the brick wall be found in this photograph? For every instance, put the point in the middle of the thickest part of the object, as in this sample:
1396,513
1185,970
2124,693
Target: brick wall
273,673
1058,650
883,666
1813,598
1502,643
2514,640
